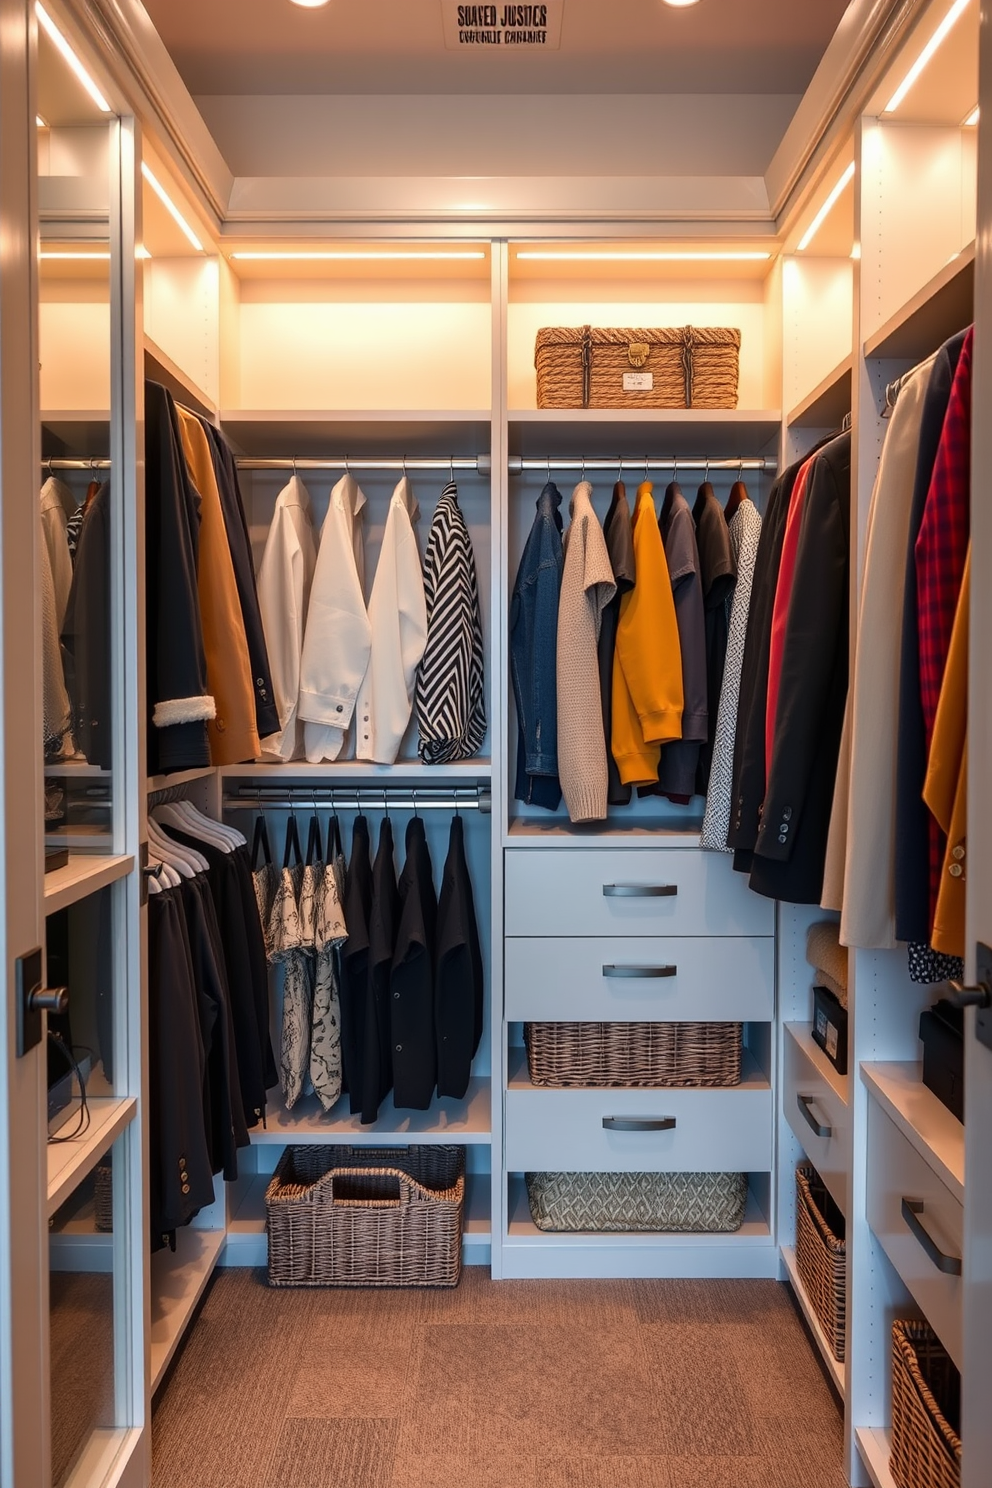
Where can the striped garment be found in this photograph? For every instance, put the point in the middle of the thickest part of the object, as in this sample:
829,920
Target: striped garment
450,687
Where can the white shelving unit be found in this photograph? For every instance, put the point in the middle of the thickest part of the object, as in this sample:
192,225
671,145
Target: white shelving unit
70,1161
178,1280
82,876
834,1369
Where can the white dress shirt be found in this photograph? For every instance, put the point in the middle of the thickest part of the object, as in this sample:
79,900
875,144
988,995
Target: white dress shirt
284,581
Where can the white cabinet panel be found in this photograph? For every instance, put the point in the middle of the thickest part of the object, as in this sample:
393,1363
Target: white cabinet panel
712,1130
919,1224
643,891
818,1117
690,978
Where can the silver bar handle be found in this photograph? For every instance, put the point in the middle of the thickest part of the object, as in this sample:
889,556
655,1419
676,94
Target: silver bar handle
639,1123
640,891
805,1102
647,972
950,1265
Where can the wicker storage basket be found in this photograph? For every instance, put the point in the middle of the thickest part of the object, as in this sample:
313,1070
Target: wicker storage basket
669,367
378,1217
566,1054
821,1255
926,1410
686,1203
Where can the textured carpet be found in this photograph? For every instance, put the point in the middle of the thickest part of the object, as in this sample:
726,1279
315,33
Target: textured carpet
82,1363
566,1384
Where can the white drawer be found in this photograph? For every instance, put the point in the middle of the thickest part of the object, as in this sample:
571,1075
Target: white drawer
642,979
630,891
818,1116
915,1242
714,1131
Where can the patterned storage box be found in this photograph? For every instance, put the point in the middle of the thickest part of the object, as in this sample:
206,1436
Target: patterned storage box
683,1203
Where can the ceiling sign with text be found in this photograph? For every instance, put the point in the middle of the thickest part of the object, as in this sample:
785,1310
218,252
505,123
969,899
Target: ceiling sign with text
502,27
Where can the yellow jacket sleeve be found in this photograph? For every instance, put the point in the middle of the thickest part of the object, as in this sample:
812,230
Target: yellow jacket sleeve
945,790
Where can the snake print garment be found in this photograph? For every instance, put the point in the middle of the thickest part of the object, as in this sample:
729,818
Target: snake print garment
331,933
291,919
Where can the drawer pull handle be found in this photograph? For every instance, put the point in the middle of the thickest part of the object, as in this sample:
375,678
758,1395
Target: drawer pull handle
950,1265
640,891
639,1123
805,1102
640,971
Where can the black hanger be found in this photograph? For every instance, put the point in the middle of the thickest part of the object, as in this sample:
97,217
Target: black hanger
315,850
292,846
260,840
334,848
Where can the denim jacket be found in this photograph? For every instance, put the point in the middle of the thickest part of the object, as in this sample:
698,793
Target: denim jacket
533,651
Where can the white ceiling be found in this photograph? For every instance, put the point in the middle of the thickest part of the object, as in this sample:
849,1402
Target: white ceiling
397,46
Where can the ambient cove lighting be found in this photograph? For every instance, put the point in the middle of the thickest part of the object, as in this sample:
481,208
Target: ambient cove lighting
606,255
357,256
59,42
171,207
822,214
955,12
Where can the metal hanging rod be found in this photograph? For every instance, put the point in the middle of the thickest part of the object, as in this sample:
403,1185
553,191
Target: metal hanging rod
75,464
477,464
518,465
354,798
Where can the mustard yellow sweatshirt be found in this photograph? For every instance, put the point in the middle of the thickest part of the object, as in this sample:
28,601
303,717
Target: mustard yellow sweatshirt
647,664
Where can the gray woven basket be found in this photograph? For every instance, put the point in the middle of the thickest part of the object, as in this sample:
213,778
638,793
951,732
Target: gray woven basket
821,1255
679,1203
608,1054
613,367
366,1217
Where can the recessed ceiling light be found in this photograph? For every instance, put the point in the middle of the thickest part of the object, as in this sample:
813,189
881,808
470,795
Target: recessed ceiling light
821,215
60,43
955,12
680,4
65,255
647,256
356,256
310,4
171,207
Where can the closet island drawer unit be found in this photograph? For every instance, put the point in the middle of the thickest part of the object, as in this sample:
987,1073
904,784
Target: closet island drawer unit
629,892
629,1131
920,1224
816,1111
640,979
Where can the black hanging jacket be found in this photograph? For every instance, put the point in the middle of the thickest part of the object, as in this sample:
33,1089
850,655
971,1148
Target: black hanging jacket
458,987
355,961
412,979
377,1062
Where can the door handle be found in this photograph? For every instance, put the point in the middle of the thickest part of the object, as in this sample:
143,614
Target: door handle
950,1265
639,1123
653,972
805,1102
640,891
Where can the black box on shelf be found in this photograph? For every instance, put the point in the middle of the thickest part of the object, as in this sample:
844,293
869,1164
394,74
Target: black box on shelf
830,1027
942,1034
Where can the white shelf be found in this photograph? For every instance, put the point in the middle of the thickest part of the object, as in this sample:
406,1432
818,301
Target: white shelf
69,1162
465,1122
83,876
178,1281
752,1078
716,432
360,432
802,1034
160,367
179,777
835,1369
874,1447
935,1133
638,832
521,1228
246,1243
829,401
943,306
350,772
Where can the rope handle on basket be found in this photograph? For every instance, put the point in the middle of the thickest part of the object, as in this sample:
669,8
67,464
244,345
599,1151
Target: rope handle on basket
409,1189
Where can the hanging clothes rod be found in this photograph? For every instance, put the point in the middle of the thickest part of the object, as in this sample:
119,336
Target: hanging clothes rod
75,464
354,798
477,464
516,464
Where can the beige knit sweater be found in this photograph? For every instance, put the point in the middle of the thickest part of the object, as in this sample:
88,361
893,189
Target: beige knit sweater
587,586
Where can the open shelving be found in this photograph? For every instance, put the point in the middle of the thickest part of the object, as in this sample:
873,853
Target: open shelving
834,1369
933,1130
942,306
875,1447
465,1122
802,1034
161,368
82,876
825,406
70,1161
178,1280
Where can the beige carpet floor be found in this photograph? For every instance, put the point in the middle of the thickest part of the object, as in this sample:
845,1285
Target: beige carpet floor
570,1384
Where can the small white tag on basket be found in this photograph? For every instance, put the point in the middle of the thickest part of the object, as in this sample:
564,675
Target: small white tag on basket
638,382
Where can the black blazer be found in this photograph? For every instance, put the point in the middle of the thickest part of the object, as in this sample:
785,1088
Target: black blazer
458,991
748,787
791,846
355,961
377,1059
912,814
412,979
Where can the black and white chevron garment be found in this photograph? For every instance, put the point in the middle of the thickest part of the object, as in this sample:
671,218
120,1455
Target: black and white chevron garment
451,704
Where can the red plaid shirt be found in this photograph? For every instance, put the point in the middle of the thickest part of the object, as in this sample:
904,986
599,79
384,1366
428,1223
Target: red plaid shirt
941,548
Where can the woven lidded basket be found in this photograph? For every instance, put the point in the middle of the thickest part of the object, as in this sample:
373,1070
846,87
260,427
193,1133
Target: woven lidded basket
567,1054
376,1217
610,367
926,1410
821,1255
687,1203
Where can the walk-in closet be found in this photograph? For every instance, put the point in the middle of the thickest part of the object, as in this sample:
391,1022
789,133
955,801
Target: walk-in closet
495,884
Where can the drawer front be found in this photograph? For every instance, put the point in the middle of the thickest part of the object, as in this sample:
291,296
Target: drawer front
714,1131
630,891
811,1102
642,979
914,1242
